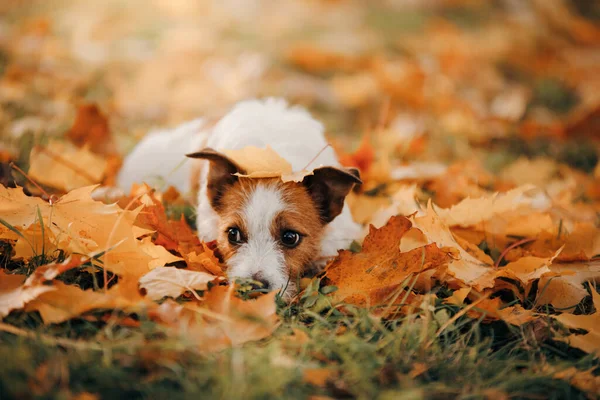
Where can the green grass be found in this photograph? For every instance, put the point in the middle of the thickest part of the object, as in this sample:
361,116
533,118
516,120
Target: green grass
368,358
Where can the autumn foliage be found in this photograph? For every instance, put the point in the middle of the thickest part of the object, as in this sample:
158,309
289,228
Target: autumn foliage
476,137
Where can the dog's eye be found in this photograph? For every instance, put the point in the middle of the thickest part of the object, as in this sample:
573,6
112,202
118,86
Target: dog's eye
290,239
234,236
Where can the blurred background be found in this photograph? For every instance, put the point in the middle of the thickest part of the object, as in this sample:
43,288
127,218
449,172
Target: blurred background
437,80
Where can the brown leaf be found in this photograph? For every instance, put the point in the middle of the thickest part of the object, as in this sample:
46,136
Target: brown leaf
373,276
91,128
590,341
222,320
17,290
318,376
362,158
68,301
464,267
585,381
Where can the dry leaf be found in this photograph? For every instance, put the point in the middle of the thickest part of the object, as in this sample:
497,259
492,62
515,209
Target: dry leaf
158,254
173,282
222,320
91,128
585,381
65,167
492,309
380,270
562,285
467,269
264,163
68,301
496,211
318,376
17,290
82,225
590,341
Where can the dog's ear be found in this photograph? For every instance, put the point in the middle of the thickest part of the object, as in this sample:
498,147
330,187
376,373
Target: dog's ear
220,174
329,186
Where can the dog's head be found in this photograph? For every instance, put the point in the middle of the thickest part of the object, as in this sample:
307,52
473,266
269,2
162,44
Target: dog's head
271,231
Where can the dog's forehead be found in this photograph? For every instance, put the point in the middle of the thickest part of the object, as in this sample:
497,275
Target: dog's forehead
263,203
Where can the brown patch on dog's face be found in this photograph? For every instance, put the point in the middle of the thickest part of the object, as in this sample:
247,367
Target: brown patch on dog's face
264,249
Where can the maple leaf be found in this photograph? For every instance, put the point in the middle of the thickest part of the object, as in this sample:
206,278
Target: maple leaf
590,341
91,128
68,301
173,282
172,235
82,225
362,158
264,163
17,290
499,210
464,267
221,320
369,278
494,309
562,285
65,167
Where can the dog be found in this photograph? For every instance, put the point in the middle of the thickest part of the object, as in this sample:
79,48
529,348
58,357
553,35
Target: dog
267,230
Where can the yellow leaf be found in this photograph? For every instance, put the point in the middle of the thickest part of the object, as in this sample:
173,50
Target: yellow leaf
221,320
159,255
590,341
68,301
63,166
497,210
464,266
264,163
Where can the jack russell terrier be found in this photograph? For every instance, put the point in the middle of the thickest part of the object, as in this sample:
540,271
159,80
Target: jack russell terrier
267,230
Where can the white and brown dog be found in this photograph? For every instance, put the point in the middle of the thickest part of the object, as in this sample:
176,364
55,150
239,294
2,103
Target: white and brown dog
267,230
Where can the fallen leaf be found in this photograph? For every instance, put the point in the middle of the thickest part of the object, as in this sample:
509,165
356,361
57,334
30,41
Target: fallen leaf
65,302
158,254
91,128
498,210
264,163
63,166
371,277
221,320
562,285
81,225
17,290
317,376
173,282
585,380
493,309
590,341
464,267
362,158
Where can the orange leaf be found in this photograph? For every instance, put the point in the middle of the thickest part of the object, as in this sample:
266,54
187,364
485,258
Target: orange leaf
91,128
362,158
373,276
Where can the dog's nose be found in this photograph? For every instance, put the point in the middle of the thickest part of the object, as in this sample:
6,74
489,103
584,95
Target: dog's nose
260,281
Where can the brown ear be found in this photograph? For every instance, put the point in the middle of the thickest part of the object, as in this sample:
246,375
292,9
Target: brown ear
220,174
329,186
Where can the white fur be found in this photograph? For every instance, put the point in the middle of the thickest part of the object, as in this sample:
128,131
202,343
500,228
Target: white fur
159,158
261,254
290,131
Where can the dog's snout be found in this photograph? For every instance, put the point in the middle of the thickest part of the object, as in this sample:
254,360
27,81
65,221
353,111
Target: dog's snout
260,282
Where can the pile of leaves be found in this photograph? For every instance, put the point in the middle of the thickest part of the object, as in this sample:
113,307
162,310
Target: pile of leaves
476,137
